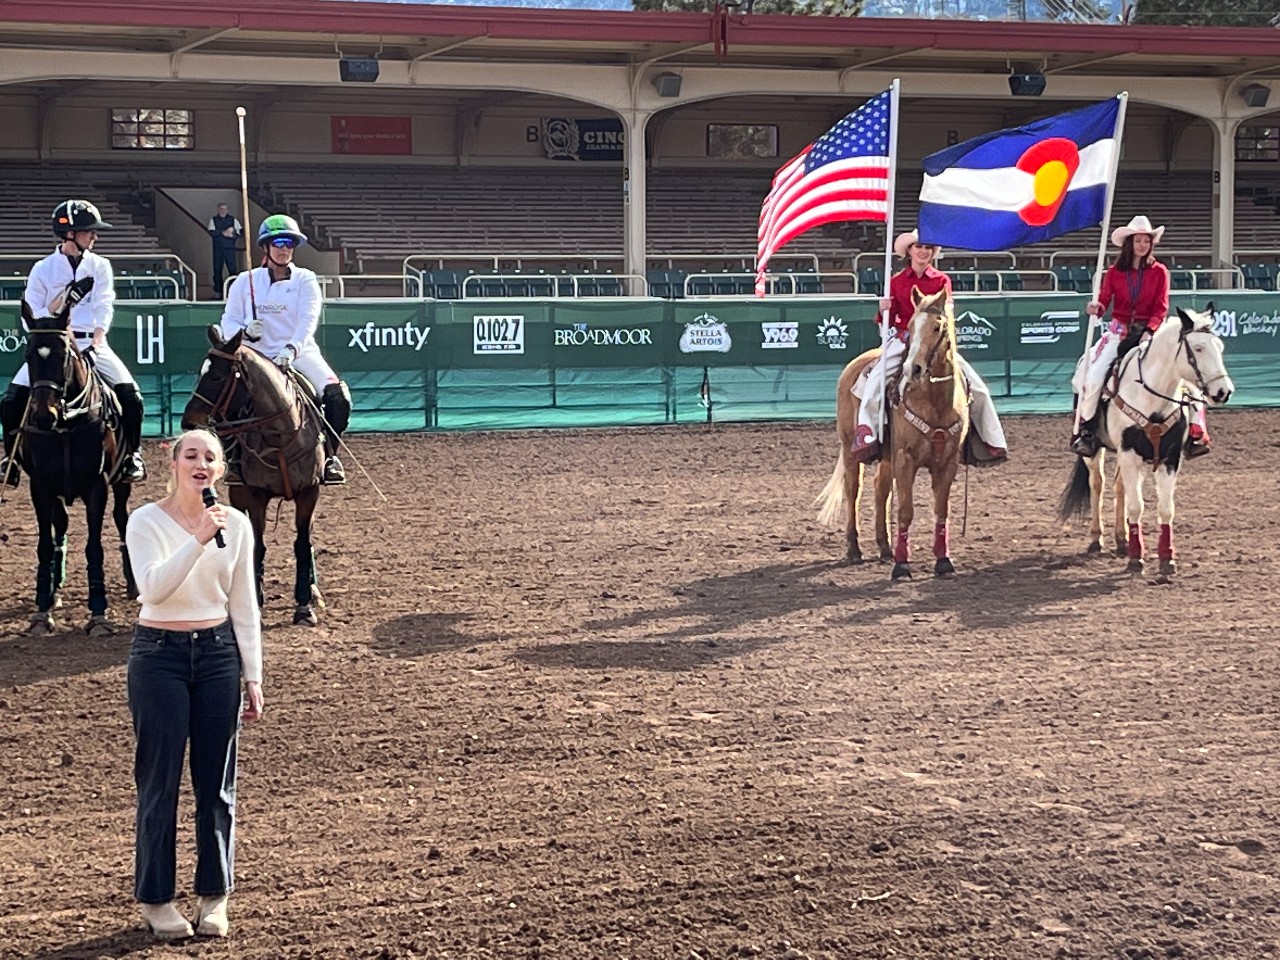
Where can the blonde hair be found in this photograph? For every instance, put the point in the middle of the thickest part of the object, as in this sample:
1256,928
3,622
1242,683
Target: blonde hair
176,450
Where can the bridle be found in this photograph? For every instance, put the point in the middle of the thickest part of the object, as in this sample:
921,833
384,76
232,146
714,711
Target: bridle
87,401
1184,344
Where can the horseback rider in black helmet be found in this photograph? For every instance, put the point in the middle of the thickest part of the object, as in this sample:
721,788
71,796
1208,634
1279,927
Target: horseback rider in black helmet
76,224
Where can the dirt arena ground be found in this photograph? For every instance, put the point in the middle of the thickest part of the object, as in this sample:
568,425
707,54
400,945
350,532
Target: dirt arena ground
611,695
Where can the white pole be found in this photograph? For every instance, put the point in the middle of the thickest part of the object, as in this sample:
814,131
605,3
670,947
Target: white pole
245,226
894,89
1102,241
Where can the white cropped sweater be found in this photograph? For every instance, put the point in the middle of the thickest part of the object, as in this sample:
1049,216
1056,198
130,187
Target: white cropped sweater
179,579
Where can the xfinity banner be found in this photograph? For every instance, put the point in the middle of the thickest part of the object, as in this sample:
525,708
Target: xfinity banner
564,139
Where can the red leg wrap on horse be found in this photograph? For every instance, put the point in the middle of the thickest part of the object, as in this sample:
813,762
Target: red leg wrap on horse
901,554
1135,540
1166,541
941,542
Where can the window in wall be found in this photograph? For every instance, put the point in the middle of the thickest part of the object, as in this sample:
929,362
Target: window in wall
1258,143
741,141
144,128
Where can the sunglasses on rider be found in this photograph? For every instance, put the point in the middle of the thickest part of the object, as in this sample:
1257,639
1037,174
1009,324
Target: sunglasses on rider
284,242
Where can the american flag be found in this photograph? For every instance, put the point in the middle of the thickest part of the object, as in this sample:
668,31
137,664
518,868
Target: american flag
844,175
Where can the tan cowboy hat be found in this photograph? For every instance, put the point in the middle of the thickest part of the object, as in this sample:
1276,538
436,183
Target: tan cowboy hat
904,242
1137,225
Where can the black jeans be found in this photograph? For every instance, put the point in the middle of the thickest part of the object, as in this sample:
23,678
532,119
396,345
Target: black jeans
184,685
223,258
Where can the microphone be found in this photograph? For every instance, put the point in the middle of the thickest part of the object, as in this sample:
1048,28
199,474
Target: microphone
210,498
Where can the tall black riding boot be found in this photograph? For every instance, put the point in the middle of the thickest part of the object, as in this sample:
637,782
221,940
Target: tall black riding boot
336,403
12,404
134,469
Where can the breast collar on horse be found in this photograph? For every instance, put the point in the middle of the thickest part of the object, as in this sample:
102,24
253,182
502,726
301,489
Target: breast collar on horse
937,435
1155,429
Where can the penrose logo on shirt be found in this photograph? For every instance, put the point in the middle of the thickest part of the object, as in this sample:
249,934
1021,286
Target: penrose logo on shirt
834,333
705,334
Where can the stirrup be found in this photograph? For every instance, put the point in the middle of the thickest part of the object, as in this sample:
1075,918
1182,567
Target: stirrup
334,474
10,470
1198,448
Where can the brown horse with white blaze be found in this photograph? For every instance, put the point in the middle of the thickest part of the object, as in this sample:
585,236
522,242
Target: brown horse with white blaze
928,426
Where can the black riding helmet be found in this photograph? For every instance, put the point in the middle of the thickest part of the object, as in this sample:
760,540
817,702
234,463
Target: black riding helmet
72,215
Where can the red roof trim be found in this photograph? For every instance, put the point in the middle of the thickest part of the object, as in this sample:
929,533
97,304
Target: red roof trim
398,20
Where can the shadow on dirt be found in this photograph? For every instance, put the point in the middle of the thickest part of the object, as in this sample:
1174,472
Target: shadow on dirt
123,943
66,653
656,655
990,597
423,634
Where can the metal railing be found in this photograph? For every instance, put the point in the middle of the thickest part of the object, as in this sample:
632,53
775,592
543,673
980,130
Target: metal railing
119,259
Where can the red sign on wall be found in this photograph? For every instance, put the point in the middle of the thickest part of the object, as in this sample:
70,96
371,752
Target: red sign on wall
381,135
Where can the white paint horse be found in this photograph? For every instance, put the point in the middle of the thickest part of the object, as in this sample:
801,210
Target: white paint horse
1145,422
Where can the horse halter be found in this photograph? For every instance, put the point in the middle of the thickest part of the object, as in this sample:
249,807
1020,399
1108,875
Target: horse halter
932,356
1185,345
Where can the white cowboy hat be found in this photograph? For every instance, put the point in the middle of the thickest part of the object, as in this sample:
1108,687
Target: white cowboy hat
903,244
1136,225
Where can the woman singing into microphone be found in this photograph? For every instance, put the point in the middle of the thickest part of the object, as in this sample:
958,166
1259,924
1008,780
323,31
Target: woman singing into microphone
197,636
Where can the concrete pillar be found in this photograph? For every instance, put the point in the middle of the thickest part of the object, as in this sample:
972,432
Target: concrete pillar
1224,190
634,194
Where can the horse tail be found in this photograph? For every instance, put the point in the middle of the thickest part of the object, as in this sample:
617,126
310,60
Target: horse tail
1076,494
831,499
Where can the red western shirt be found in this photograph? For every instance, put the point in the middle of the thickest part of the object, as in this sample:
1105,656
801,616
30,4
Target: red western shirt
1136,296
901,309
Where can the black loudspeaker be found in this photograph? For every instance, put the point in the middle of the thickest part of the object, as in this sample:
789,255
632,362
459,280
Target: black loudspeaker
1255,95
667,84
1026,84
358,71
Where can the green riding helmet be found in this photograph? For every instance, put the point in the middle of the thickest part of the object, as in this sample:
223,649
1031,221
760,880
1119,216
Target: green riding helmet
72,215
279,225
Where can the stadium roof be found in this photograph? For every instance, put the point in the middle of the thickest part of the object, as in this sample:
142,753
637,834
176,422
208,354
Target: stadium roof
524,35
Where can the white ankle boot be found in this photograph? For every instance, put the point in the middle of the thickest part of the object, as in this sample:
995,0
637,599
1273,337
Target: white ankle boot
165,922
211,916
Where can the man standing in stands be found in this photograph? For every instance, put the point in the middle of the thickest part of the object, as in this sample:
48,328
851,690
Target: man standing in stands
225,231
76,224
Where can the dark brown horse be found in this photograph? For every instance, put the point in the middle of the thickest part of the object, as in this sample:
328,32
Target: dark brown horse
928,426
71,447
259,412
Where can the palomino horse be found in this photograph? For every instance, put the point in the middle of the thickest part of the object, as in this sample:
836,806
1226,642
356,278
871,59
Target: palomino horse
71,445
928,426
249,401
1145,422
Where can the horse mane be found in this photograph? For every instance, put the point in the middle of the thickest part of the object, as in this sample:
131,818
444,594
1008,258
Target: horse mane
269,389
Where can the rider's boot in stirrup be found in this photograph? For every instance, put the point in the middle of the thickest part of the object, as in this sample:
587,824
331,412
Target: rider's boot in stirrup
336,403
1197,442
134,469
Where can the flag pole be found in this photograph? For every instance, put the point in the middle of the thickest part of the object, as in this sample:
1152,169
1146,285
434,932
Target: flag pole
1102,242
888,245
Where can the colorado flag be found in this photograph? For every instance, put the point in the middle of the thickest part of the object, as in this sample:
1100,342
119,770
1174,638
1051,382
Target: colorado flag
1023,185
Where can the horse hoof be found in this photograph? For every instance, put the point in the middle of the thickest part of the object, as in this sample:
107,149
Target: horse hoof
1122,549
99,626
886,553
1094,547
41,625
305,616
901,570
943,567
1168,566
853,557
1135,566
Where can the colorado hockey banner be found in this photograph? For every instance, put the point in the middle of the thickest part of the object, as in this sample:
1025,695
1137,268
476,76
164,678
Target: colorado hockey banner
1022,185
